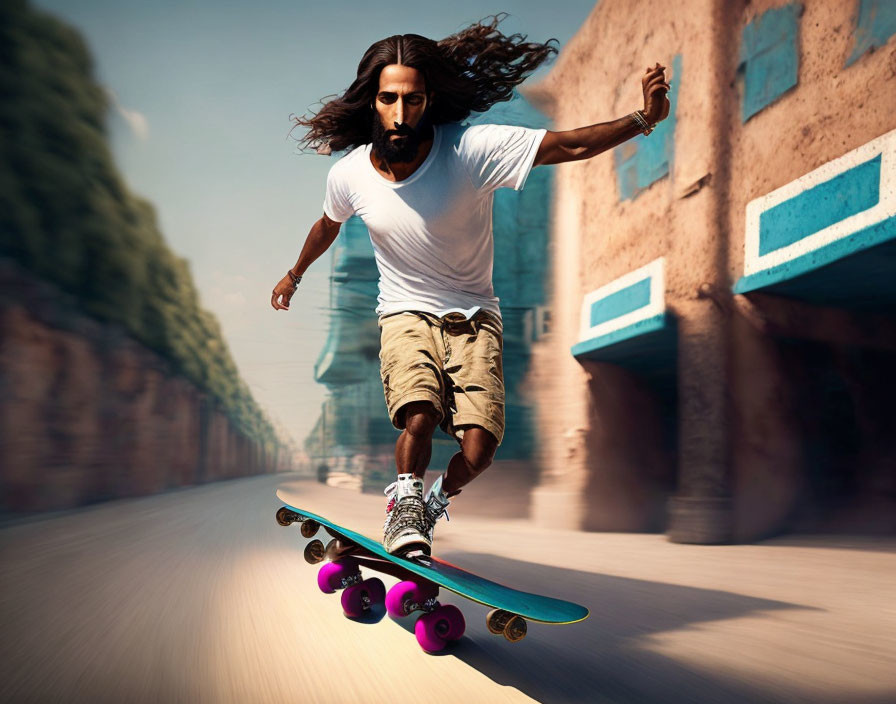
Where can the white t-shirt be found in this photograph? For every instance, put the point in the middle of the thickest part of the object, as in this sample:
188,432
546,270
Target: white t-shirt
432,232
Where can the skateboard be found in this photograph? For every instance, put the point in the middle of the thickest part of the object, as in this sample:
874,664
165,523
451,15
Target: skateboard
420,578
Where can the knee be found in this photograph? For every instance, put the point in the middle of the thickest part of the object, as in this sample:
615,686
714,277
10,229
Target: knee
478,447
421,419
479,455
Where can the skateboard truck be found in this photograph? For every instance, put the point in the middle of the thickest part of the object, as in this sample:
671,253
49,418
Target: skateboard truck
286,517
315,551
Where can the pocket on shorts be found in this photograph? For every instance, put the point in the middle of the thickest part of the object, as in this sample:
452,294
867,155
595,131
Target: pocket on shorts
493,326
409,358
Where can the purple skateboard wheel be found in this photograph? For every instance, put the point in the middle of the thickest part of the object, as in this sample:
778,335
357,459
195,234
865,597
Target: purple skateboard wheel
358,598
428,635
376,590
398,597
406,596
330,576
353,601
455,619
437,628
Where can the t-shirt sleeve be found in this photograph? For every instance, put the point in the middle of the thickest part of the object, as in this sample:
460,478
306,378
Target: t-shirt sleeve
500,156
336,201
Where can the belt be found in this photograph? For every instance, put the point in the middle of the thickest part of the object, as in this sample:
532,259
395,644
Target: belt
454,322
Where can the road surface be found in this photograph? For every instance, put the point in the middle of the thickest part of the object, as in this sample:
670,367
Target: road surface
197,595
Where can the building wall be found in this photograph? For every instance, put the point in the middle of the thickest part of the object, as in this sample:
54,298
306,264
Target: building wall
833,109
713,434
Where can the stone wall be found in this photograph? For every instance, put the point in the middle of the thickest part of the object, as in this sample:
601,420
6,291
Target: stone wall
88,414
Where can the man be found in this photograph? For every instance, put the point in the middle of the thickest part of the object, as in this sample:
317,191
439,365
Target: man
423,184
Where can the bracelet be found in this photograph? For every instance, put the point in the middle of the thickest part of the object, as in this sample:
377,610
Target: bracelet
295,279
641,120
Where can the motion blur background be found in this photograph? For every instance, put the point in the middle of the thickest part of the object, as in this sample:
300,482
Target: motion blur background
699,330
153,196
700,350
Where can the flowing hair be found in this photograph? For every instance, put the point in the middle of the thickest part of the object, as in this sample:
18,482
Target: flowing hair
467,72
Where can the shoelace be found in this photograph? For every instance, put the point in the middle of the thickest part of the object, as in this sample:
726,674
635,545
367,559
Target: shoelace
434,511
409,514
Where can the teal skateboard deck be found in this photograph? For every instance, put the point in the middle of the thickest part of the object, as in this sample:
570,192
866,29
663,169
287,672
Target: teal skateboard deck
420,579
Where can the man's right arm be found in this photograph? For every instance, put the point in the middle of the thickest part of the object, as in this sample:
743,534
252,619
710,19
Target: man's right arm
323,233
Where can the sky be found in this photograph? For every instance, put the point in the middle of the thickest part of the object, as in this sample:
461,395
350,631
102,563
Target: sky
201,97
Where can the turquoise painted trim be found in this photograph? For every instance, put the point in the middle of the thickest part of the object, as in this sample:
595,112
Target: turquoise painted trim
827,203
769,57
643,160
622,302
875,24
642,327
876,234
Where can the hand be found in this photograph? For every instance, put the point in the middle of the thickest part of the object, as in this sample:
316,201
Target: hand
656,104
282,293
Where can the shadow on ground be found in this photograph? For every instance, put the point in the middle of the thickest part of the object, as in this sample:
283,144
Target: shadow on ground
604,658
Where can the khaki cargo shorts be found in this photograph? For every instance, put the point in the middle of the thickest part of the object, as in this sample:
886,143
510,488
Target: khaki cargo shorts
451,362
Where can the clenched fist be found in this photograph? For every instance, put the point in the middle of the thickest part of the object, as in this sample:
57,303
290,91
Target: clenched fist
283,291
656,104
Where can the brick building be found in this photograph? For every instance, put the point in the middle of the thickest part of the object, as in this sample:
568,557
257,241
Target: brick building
721,361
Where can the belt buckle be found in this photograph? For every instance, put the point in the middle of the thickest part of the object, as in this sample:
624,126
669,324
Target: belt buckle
455,321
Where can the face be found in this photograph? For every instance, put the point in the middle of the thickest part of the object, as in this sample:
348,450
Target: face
400,123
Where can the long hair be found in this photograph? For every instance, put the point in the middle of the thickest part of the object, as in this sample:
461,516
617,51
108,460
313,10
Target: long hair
467,72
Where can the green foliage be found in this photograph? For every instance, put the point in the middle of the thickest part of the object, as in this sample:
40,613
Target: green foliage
66,214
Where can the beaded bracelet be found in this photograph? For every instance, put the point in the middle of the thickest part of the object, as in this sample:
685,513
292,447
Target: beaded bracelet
641,120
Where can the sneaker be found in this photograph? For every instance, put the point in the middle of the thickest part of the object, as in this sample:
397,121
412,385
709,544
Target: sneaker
436,506
405,528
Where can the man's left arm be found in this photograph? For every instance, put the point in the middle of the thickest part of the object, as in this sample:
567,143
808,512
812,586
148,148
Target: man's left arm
586,142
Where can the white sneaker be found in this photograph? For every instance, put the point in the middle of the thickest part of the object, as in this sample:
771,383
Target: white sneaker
405,528
436,506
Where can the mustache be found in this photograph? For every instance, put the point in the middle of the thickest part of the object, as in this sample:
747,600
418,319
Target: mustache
402,130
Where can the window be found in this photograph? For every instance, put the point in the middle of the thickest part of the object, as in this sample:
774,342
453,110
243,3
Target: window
769,57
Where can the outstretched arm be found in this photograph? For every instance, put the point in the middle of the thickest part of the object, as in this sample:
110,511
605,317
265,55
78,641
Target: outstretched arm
323,234
586,142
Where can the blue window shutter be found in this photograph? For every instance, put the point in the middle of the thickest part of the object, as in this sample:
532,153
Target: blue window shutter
875,24
769,57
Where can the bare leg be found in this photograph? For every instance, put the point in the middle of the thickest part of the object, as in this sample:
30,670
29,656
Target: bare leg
477,452
413,449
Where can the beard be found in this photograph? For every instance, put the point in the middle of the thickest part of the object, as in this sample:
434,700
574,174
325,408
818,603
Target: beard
401,150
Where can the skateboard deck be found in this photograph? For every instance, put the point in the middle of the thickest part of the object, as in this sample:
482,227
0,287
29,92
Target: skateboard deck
420,579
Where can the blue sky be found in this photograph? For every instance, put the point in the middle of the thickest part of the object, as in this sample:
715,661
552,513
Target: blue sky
202,95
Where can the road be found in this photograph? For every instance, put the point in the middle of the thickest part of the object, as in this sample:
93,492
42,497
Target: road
197,595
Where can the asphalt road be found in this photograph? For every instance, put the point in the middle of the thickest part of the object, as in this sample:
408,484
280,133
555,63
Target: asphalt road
199,596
